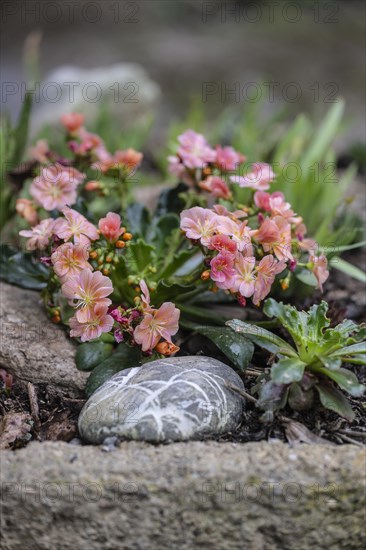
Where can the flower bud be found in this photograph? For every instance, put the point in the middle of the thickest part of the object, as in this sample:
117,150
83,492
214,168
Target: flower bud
127,236
93,186
120,244
205,275
166,348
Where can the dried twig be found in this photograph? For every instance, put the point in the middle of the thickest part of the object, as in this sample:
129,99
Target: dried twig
249,372
352,433
349,440
33,401
241,392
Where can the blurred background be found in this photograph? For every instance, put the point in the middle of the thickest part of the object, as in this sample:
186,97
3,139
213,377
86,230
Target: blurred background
299,56
281,81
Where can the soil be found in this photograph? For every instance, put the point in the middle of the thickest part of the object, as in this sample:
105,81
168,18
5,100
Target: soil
48,416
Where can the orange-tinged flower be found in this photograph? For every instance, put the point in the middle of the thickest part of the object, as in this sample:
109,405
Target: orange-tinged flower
245,277
318,265
25,208
75,226
40,151
40,235
98,322
129,158
69,260
275,236
87,290
157,324
267,269
72,121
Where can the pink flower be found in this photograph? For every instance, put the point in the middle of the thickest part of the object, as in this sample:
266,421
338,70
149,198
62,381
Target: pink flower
69,259
194,150
267,270
262,199
40,151
318,265
75,226
25,209
55,187
227,158
244,279
222,242
239,232
110,227
222,269
221,210
258,178
216,186
157,324
90,144
121,159
129,158
72,121
199,224
40,235
275,236
279,207
145,296
98,322
87,290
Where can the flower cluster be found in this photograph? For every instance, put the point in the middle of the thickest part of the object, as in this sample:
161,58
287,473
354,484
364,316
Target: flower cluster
106,278
59,181
82,256
245,246
197,163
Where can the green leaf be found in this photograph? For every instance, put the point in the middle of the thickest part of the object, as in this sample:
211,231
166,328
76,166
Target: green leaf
138,220
345,379
287,371
178,260
238,349
20,133
262,337
272,396
357,359
324,137
330,362
317,321
123,358
333,399
307,277
350,350
349,269
170,292
22,269
90,354
170,200
291,319
163,230
139,256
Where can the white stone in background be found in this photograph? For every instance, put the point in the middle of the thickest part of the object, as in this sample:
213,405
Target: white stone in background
173,399
125,87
